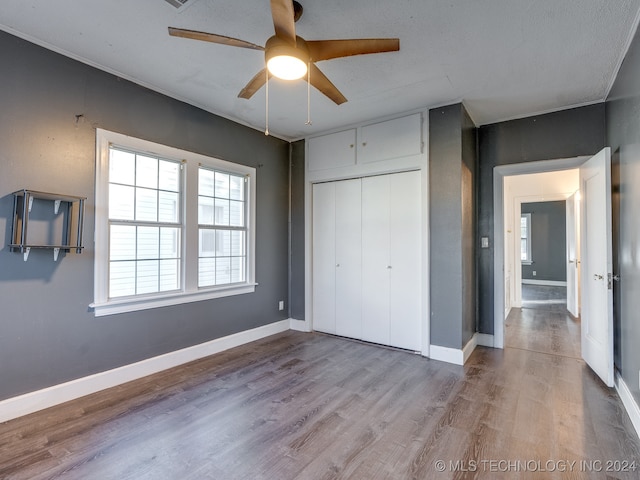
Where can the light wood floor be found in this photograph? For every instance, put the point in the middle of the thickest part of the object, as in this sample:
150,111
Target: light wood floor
310,406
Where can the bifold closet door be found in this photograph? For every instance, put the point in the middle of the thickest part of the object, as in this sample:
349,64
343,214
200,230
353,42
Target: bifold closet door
405,259
324,257
337,263
391,260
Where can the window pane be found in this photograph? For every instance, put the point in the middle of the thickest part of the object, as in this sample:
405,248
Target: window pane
222,185
122,279
236,187
122,167
205,210
146,172
523,249
121,202
223,271
236,214
223,243
148,242
169,242
237,269
207,246
206,272
222,212
169,176
147,278
169,275
237,244
205,182
146,205
168,207
122,242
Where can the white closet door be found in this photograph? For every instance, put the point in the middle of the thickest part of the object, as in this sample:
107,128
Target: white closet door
348,258
324,257
375,259
405,260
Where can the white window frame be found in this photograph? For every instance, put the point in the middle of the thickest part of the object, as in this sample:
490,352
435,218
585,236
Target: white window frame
528,260
189,291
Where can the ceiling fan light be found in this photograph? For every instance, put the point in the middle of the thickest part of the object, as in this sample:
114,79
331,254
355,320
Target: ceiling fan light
287,67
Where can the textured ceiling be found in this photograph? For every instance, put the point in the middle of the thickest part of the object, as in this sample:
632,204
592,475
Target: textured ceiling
503,58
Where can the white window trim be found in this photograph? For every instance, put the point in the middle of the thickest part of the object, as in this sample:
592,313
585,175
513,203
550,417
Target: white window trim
529,260
189,291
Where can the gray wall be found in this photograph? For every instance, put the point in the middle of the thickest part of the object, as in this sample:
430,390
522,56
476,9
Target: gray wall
548,241
623,136
452,217
565,134
297,231
51,106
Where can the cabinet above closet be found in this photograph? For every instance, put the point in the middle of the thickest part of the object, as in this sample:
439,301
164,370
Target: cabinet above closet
37,223
375,142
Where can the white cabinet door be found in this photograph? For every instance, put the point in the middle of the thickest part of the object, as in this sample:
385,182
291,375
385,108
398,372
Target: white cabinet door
390,139
324,257
375,259
348,247
332,151
405,260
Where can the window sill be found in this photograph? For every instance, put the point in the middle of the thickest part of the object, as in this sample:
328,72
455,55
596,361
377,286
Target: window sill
526,262
113,307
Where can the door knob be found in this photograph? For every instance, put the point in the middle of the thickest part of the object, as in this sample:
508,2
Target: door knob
597,277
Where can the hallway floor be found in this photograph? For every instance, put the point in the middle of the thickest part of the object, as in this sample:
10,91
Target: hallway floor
543,324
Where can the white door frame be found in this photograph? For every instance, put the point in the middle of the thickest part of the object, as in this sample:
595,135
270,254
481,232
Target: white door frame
499,173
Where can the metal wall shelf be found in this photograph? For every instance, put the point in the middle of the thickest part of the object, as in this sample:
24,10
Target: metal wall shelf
73,206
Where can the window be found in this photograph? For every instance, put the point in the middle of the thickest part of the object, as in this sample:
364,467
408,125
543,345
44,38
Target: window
525,238
171,226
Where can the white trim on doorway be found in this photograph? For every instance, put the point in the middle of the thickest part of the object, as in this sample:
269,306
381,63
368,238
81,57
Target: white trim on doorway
499,174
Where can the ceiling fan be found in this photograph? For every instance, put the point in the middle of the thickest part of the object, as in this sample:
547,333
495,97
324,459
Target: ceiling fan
289,56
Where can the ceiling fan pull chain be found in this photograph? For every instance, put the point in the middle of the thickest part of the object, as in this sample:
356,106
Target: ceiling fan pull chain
308,94
266,129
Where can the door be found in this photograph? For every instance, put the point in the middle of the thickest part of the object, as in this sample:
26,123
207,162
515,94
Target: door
405,260
597,294
573,255
391,260
375,259
324,257
337,264
348,261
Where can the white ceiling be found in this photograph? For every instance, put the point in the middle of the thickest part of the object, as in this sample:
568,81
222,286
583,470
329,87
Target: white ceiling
503,58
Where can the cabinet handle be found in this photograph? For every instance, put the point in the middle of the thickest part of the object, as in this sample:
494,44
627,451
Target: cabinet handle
389,267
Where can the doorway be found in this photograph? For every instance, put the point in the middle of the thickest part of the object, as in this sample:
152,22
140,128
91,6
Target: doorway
514,185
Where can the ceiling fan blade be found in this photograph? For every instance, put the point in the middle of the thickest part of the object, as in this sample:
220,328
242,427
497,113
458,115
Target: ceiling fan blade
322,83
254,84
282,13
213,38
327,49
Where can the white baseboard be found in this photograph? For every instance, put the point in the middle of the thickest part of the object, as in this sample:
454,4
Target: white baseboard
548,283
460,356
446,354
299,325
629,402
469,348
48,397
485,340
